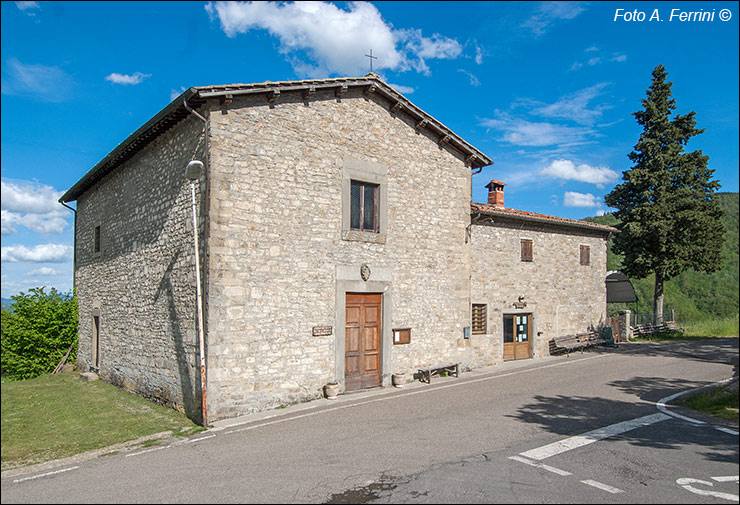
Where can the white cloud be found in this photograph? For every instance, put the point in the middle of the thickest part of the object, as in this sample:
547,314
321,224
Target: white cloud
28,197
132,79
473,79
421,48
600,212
549,13
41,82
41,223
478,55
334,39
536,134
566,169
28,7
573,199
32,205
44,253
43,271
597,60
574,106
404,90
13,286
174,93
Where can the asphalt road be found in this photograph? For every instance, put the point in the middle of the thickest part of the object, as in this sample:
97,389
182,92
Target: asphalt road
580,429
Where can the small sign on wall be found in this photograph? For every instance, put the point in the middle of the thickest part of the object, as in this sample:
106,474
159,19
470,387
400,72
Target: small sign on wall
401,336
322,331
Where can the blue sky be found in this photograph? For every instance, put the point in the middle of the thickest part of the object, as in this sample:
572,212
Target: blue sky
545,89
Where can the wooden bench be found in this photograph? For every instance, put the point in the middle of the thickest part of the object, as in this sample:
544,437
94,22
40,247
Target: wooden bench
580,341
425,374
648,330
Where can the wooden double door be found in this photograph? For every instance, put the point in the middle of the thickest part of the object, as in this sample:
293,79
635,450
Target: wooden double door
517,336
362,340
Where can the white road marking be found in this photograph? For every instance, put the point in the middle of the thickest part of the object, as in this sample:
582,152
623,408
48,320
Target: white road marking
603,487
661,404
192,440
540,465
728,430
46,474
590,437
686,484
147,450
664,408
197,439
729,478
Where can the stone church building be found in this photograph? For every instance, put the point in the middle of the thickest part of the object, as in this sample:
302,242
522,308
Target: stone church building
337,241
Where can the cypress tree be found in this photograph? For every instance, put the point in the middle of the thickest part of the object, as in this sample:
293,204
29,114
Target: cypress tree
669,218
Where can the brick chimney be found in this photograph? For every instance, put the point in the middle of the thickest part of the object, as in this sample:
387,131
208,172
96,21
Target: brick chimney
496,193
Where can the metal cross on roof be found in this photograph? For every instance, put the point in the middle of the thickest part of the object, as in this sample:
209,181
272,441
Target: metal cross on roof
371,59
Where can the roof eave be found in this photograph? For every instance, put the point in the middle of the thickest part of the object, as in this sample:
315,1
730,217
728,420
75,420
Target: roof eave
553,222
174,112
99,170
475,158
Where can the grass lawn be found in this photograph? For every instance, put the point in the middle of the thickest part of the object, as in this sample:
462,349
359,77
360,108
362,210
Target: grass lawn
720,402
698,330
55,416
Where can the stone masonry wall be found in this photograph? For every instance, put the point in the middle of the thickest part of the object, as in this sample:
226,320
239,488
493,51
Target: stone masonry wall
276,243
563,296
143,280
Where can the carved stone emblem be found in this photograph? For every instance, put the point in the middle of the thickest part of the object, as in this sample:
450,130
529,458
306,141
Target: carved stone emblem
365,272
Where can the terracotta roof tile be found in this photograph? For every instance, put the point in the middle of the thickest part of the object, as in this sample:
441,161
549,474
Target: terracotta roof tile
492,210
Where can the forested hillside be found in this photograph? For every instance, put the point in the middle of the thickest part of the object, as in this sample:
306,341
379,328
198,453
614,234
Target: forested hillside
694,296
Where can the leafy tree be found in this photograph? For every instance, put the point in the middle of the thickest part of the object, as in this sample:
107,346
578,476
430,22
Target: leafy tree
669,219
36,332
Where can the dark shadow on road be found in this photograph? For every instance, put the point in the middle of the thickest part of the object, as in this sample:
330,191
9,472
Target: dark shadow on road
575,415
713,350
653,389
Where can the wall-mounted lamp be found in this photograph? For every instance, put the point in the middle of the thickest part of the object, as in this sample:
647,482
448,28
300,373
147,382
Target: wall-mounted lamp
521,303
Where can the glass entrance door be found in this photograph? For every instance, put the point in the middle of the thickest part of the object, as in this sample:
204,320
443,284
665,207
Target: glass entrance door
517,336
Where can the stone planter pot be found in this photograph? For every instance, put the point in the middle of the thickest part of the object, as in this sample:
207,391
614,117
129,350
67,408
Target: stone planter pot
399,380
331,391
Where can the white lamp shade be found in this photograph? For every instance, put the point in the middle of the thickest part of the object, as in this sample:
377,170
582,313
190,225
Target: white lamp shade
193,170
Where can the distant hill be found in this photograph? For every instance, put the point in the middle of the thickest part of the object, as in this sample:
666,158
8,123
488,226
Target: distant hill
6,302
694,296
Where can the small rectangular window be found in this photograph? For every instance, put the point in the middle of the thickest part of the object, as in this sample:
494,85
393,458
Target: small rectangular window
96,342
480,318
585,255
527,250
364,206
97,240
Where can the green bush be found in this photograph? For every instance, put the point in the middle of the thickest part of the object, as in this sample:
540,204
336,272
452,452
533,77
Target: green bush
36,332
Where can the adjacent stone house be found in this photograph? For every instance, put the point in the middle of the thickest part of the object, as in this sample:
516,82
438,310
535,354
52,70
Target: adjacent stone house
534,277
336,243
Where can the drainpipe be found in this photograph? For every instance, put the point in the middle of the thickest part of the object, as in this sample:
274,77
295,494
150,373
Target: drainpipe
74,250
201,337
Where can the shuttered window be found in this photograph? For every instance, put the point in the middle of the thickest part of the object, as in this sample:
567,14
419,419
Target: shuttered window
585,255
479,319
527,250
